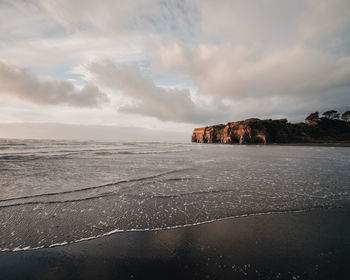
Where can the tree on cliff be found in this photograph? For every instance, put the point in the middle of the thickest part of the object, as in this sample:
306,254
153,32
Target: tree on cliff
331,114
346,116
312,118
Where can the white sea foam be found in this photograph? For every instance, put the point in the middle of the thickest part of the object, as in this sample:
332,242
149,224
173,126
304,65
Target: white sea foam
115,231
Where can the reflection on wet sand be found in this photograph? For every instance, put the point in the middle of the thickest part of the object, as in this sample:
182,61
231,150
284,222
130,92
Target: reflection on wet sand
305,245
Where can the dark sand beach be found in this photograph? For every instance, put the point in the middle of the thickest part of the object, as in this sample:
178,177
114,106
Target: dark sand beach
312,244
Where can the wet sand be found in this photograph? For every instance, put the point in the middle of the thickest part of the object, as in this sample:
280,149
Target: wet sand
313,244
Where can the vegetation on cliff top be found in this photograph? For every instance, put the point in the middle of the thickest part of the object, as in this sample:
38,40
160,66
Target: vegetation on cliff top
324,130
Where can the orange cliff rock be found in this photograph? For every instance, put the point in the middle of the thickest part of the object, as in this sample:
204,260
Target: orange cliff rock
235,132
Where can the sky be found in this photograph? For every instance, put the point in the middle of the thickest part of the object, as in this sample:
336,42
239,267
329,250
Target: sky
110,68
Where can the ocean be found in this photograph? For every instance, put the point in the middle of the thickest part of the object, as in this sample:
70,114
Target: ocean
59,192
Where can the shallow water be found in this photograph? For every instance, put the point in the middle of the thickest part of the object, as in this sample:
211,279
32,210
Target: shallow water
58,192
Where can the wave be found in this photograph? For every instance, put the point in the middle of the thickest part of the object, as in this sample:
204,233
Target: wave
150,152
16,157
31,157
193,193
61,154
82,190
113,193
13,144
103,153
114,231
57,201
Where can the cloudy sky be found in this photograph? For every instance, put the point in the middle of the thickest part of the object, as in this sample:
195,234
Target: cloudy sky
168,65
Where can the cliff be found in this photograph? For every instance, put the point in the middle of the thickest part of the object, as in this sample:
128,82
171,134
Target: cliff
274,131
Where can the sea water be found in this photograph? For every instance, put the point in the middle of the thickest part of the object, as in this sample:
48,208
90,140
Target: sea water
58,192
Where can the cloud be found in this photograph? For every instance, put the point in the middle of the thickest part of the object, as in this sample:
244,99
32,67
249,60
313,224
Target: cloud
327,24
249,22
163,103
24,85
236,73
124,17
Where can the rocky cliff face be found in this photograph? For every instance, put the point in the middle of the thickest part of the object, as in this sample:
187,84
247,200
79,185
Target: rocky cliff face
235,132
273,131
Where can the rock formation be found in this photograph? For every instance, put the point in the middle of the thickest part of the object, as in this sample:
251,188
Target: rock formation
273,131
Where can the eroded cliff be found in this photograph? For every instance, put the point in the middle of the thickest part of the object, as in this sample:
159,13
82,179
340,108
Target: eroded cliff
273,131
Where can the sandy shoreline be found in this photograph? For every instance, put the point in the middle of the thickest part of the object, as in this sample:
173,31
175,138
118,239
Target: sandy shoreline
303,245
